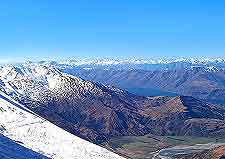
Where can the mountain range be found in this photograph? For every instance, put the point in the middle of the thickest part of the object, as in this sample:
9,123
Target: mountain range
201,79
89,103
210,64
97,112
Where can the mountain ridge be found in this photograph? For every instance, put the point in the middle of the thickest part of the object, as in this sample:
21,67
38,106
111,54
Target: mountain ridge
33,132
97,112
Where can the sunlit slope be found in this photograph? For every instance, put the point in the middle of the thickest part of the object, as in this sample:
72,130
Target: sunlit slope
33,132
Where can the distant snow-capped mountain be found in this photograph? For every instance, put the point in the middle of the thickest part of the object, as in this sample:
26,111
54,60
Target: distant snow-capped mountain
206,64
21,126
116,61
144,64
200,78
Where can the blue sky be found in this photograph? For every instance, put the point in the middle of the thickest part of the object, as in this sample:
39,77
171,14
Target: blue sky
40,29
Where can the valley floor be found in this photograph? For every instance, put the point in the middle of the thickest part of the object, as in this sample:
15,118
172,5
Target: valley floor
168,147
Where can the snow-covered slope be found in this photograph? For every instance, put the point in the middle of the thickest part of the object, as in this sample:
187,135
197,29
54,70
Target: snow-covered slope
42,82
31,131
29,80
10,149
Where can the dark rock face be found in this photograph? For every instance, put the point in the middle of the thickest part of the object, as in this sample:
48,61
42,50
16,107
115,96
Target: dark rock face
198,109
186,116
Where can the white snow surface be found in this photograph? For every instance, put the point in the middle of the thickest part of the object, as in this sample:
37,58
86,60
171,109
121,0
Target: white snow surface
31,131
10,149
116,61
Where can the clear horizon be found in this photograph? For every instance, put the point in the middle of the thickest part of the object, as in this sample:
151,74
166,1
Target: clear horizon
40,30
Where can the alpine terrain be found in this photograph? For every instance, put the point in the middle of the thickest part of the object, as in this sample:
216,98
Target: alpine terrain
99,112
200,78
24,134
